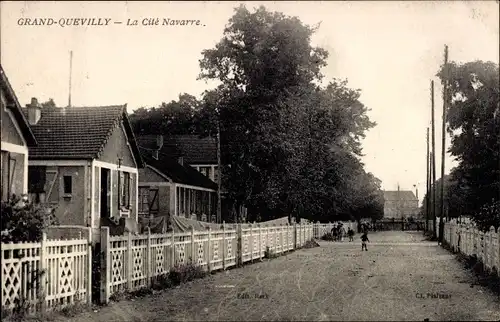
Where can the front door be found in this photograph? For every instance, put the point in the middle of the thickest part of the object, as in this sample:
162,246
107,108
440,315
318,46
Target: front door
105,193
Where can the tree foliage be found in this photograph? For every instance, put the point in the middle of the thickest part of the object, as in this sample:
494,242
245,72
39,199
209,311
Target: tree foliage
290,142
23,221
473,121
173,118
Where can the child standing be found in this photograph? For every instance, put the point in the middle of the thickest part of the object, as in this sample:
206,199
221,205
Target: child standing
364,239
350,232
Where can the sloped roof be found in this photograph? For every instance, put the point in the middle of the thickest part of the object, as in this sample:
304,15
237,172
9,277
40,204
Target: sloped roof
14,106
179,173
399,195
192,148
79,132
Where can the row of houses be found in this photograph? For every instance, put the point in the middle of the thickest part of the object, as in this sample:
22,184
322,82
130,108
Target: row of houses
87,164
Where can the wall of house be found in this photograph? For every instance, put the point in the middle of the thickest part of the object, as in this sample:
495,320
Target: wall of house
69,209
405,208
147,175
9,132
117,147
13,166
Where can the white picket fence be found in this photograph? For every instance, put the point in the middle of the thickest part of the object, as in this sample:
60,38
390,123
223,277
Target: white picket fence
321,229
130,262
63,267
470,241
133,261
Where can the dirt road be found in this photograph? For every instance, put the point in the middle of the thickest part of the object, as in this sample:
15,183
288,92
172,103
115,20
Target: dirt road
400,277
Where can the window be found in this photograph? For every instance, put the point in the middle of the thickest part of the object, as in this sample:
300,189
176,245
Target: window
148,201
216,175
154,201
5,175
36,179
143,200
67,185
125,185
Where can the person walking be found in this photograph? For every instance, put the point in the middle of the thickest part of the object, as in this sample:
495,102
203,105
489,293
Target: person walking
350,232
364,240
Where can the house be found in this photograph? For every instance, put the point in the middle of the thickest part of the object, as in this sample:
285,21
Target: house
400,203
198,152
85,164
16,138
168,186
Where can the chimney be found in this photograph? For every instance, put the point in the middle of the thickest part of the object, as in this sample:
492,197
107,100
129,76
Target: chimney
159,145
34,111
159,142
181,160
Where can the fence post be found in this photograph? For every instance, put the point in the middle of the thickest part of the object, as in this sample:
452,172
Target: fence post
260,241
89,266
239,244
105,258
295,236
224,244
172,250
267,238
192,246
130,261
285,239
148,258
250,242
209,260
43,272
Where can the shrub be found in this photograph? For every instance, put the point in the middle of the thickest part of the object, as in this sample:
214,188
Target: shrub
268,253
327,237
162,282
311,244
488,215
23,221
185,273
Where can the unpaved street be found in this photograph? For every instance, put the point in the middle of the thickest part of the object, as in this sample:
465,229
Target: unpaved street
400,277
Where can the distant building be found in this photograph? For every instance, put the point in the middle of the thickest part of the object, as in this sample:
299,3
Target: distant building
400,203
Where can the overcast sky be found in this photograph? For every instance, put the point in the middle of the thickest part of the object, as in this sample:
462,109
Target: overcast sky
389,50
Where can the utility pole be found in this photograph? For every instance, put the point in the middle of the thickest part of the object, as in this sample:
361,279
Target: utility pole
70,74
433,154
443,141
427,179
219,176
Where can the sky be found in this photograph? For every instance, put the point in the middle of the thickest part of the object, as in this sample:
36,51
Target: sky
389,50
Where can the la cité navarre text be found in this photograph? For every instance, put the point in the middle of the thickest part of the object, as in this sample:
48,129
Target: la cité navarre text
63,22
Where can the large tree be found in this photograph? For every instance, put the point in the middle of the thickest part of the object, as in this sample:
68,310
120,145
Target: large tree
175,117
288,144
473,121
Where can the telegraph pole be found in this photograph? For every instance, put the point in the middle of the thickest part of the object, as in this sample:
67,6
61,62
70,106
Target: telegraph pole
443,140
219,176
433,166
427,203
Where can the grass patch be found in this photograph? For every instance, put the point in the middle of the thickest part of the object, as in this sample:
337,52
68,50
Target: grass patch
23,311
483,275
176,276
